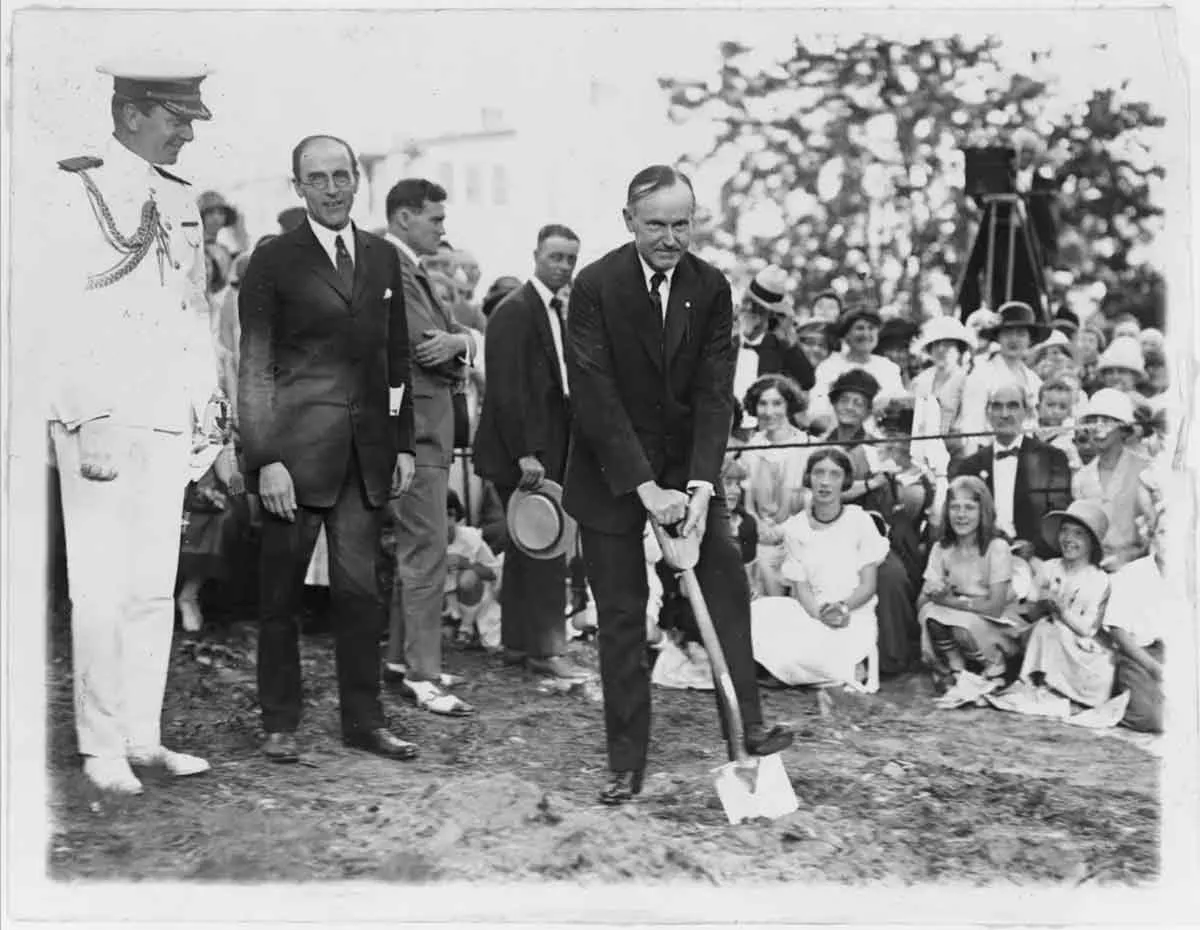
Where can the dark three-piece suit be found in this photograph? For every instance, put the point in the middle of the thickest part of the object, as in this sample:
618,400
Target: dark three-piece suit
525,412
319,355
651,401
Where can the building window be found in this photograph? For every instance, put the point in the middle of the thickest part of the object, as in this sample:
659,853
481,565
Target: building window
473,184
446,178
499,185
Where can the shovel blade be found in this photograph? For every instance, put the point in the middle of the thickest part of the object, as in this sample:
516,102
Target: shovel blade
758,787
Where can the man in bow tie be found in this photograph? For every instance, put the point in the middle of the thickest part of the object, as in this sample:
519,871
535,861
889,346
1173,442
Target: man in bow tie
327,432
650,362
1028,478
522,441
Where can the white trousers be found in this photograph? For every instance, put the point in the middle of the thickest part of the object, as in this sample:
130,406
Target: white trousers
122,555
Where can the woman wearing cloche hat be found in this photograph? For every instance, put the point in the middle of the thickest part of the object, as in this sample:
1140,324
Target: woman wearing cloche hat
1114,475
858,328
1122,365
938,390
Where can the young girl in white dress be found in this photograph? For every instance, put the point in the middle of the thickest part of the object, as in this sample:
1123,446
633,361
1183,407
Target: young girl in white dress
827,629
1065,660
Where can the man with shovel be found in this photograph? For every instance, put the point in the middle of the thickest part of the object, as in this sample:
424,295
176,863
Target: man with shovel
650,362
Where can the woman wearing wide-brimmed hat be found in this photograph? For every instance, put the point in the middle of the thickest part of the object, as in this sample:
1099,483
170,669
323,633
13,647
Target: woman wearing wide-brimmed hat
1018,329
1113,477
858,328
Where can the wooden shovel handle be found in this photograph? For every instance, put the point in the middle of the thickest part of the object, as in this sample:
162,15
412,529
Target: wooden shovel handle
721,677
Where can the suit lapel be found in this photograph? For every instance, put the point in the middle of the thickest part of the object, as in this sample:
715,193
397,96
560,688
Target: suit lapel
679,311
362,251
646,322
318,258
442,312
541,322
987,466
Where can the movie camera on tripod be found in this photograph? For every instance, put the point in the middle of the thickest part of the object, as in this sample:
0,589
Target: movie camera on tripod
1016,237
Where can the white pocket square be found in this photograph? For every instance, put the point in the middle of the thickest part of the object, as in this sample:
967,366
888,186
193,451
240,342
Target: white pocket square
387,293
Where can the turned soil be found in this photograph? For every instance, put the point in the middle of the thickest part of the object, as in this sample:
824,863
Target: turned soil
891,790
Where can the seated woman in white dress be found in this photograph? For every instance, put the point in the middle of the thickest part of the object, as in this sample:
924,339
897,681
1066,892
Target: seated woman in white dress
827,629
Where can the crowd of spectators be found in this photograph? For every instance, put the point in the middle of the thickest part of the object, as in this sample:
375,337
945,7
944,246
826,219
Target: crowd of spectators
979,500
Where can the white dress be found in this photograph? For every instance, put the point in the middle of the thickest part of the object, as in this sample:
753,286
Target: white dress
799,649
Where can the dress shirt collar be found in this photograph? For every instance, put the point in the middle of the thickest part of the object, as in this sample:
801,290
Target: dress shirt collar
118,156
405,249
648,273
328,238
998,446
748,343
542,291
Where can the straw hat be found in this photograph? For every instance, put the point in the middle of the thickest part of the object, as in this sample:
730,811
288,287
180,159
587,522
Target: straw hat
1087,513
944,329
537,523
1056,339
768,290
1125,352
1108,402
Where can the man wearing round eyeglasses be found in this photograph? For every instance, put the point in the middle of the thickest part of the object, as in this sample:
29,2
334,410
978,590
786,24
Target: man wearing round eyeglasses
327,432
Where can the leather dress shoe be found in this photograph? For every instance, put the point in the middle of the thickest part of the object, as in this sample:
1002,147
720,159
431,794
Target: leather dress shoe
382,742
281,747
763,742
512,656
555,667
622,786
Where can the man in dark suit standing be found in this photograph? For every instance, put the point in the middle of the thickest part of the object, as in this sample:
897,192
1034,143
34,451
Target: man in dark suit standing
441,351
327,432
1028,478
650,363
522,440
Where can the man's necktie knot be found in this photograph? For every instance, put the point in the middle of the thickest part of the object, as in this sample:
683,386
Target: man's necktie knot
656,282
556,305
345,265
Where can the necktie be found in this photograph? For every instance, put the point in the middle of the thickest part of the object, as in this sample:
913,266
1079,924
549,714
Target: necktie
556,306
1008,453
345,265
656,281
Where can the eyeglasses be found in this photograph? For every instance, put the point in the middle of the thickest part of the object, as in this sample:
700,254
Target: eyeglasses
342,180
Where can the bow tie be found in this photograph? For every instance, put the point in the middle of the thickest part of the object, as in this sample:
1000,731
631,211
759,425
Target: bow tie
1008,453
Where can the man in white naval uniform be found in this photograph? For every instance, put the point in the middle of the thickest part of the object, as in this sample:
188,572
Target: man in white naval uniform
133,364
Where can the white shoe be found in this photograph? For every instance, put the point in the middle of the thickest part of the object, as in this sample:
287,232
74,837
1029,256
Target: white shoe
177,764
113,775
190,617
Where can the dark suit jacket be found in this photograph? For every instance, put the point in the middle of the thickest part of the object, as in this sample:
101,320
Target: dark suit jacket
524,409
1043,484
648,402
433,388
316,364
776,356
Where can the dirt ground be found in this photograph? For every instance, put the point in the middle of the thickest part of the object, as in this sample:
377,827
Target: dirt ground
891,790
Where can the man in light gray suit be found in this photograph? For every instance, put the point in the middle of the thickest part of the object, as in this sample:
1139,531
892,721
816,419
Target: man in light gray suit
441,352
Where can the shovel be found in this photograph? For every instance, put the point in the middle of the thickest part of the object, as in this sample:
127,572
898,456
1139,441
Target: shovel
749,786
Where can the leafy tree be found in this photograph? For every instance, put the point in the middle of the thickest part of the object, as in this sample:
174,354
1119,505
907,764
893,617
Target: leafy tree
843,164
